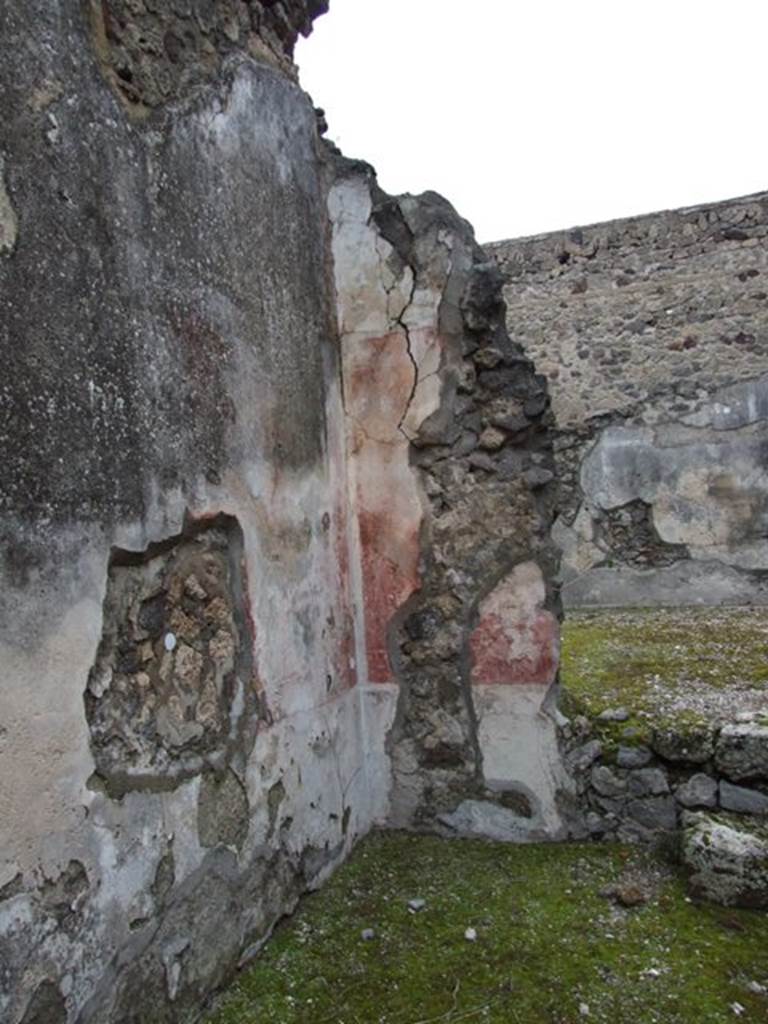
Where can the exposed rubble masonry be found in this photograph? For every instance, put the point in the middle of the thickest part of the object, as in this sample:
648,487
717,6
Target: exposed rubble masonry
448,458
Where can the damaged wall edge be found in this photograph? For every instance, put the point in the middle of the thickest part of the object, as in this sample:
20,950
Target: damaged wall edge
460,504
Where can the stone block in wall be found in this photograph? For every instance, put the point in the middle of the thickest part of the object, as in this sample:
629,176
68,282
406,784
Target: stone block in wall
741,799
692,746
492,821
698,791
657,813
607,783
742,751
648,782
633,757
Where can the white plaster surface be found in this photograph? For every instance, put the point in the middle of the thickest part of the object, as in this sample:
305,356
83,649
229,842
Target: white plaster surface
518,741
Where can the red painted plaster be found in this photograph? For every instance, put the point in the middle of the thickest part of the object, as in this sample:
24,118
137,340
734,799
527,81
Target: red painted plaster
379,385
387,585
516,641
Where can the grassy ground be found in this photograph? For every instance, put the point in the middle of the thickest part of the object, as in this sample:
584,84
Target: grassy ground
549,946
671,668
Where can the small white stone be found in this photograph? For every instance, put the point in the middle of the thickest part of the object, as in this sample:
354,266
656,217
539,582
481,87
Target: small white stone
744,716
613,715
470,935
367,934
416,905
757,988
169,641
737,1008
583,1010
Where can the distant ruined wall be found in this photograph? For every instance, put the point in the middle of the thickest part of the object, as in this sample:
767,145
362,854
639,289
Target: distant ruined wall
653,334
276,501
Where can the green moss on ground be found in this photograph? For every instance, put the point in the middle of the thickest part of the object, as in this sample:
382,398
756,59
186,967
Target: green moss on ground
645,660
547,941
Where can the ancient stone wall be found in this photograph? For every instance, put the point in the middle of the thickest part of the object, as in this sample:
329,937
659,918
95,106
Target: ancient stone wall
450,468
180,739
653,334
279,488
640,792
277,494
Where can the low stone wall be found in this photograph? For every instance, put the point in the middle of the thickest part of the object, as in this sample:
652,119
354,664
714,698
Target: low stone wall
653,334
640,792
666,714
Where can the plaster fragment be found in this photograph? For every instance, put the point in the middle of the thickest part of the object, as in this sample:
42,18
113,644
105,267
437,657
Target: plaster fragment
9,224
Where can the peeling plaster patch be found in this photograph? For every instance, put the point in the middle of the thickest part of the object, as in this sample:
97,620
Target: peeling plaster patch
516,640
707,489
222,811
577,544
9,224
385,344
379,704
173,686
694,583
623,465
733,407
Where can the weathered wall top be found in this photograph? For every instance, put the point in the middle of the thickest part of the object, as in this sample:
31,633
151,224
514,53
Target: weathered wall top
154,51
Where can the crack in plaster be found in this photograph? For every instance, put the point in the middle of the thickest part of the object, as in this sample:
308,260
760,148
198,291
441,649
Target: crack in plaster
400,322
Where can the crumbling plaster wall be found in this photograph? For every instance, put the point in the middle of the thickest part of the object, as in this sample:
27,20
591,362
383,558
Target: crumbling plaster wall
276,507
653,333
180,741
450,470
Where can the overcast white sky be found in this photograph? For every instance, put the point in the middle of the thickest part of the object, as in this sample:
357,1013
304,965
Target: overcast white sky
534,115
